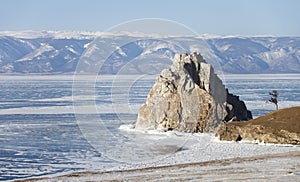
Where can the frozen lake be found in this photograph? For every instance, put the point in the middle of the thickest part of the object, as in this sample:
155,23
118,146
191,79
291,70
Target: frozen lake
51,126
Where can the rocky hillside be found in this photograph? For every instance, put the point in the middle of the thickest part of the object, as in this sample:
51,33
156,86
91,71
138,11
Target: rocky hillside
59,52
39,55
282,126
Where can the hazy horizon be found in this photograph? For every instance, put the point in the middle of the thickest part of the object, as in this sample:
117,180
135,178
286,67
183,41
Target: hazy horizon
233,17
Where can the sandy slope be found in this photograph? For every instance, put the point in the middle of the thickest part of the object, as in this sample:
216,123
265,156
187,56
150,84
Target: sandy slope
272,167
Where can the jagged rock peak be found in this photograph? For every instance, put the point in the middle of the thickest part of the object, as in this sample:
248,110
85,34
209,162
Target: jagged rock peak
189,97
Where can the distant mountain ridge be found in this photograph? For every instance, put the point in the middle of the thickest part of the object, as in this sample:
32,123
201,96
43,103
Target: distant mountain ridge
59,52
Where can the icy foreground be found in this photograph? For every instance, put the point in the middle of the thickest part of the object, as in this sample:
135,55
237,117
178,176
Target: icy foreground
55,146
259,168
207,159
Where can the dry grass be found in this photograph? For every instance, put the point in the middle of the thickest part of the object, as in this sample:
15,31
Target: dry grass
284,119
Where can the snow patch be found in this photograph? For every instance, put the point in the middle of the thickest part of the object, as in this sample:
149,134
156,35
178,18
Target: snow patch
38,52
72,50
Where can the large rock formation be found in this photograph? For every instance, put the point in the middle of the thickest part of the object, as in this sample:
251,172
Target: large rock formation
281,126
189,97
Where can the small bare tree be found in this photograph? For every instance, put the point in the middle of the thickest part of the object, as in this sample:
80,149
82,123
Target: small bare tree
273,99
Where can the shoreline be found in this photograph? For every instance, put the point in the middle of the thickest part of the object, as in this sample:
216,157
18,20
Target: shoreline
279,166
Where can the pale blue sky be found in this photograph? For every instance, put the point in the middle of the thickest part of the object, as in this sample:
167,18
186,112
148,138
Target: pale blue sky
223,17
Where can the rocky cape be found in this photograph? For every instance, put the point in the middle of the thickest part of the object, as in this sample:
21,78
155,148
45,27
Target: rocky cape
282,127
189,97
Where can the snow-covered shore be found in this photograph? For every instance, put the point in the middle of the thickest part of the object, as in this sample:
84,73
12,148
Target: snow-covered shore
203,157
271,167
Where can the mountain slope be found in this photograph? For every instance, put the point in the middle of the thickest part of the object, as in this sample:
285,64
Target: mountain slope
59,52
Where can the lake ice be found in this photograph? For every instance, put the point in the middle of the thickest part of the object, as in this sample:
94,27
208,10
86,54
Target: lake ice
48,128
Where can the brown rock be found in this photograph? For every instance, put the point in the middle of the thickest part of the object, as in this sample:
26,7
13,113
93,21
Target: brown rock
189,97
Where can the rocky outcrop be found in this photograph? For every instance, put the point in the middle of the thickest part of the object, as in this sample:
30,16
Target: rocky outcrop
189,97
281,127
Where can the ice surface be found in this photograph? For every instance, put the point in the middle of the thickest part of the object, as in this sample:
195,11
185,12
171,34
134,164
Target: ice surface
200,147
40,134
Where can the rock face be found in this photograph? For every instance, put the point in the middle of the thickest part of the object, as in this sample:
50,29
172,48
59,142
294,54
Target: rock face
189,97
281,127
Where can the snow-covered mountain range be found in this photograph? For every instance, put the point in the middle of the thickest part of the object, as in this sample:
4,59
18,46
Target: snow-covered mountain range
60,52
